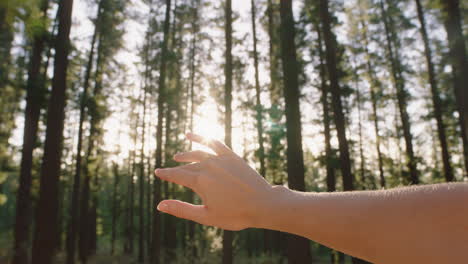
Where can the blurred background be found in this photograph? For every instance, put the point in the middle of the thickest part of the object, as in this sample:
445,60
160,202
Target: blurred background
317,95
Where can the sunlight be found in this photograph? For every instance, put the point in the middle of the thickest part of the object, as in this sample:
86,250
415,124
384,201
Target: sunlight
206,123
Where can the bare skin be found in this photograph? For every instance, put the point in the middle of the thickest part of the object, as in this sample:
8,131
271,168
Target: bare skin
423,224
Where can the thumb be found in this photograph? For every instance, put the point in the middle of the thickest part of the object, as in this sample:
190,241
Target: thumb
184,210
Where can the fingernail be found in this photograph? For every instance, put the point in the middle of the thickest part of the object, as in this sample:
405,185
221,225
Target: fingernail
162,207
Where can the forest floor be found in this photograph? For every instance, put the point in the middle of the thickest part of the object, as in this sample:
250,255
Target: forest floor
108,259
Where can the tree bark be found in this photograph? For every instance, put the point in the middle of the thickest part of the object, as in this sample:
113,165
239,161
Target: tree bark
46,218
34,99
458,59
298,247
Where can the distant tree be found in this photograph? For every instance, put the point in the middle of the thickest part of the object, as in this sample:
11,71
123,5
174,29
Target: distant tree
141,181
393,53
258,103
115,206
74,207
141,178
109,41
436,101
331,177
195,5
375,88
130,226
155,258
331,61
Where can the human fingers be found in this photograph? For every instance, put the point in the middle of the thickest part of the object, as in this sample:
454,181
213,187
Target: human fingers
217,146
192,156
179,176
197,213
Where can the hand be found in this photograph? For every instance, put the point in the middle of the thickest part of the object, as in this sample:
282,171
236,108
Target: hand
233,194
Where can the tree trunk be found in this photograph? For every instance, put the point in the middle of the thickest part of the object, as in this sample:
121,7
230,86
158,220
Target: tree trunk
84,217
161,98
275,89
192,250
46,218
73,228
34,99
275,136
128,206
457,53
87,214
131,224
261,149
141,237
331,178
448,171
330,44
374,84
94,215
362,159
170,238
259,108
149,204
298,247
171,97
401,95
228,235
115,207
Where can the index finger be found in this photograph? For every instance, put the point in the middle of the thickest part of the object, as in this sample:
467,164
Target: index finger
217,146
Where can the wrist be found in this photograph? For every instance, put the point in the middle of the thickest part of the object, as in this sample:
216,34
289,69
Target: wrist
271,212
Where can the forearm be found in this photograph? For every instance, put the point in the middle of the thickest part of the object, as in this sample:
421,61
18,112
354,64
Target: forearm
410,225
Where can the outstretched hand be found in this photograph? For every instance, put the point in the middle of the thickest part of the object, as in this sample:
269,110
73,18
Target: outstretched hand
232,192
